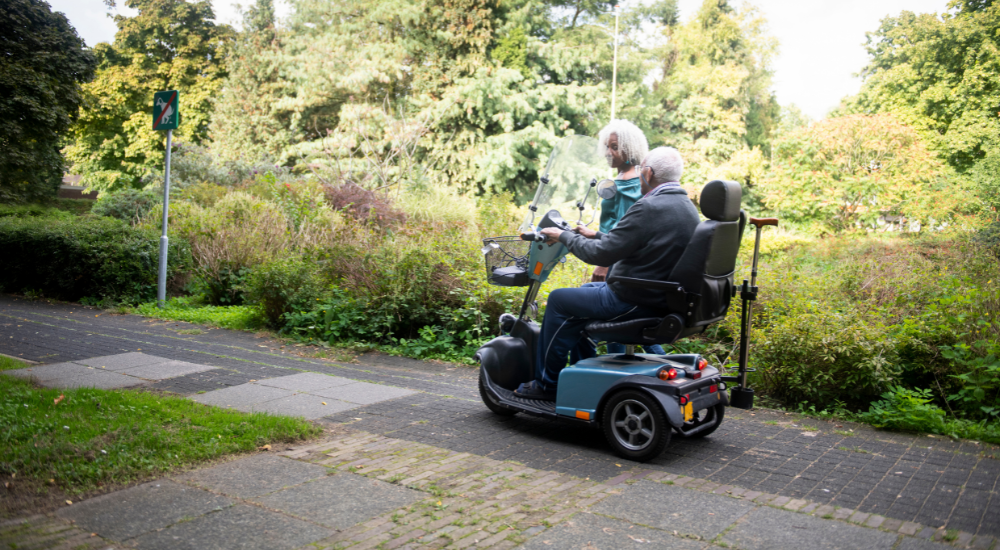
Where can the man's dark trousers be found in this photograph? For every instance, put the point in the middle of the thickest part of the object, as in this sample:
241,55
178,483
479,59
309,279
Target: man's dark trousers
569,310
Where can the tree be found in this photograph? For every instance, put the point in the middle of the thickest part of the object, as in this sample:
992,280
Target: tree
44,64
248,122
715,92
170,44
941,74
851,172
488,86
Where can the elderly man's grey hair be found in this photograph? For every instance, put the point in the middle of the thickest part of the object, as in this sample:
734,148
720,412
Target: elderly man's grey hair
631,141
666,163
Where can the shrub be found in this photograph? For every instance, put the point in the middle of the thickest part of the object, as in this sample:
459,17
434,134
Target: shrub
128,204
285,285
364,205
32,211
907,410
99,258
238,233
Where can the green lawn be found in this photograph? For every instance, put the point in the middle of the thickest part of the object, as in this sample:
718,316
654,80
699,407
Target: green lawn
92,437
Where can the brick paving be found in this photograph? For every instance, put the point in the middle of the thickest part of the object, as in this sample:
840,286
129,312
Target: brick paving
885,480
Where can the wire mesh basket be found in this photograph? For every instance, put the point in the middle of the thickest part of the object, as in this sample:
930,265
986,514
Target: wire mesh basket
508,254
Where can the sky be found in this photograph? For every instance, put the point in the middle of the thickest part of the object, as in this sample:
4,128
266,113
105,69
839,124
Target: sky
821,41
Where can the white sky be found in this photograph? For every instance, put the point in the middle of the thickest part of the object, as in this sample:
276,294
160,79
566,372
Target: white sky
821,41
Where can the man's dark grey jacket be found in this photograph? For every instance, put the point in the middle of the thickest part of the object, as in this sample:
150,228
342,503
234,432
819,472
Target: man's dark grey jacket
646,243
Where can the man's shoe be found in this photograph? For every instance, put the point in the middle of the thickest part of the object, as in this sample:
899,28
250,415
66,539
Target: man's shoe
534,390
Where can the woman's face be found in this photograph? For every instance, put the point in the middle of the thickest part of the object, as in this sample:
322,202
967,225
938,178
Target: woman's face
615,158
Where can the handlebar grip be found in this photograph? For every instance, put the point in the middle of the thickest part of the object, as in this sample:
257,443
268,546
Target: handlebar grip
531,236
761,222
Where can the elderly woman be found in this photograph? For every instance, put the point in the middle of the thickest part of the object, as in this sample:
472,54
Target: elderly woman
624,145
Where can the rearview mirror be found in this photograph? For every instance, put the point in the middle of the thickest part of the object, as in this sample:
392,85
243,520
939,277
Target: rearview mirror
607,189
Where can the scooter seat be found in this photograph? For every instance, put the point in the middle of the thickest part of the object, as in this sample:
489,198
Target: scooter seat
645,331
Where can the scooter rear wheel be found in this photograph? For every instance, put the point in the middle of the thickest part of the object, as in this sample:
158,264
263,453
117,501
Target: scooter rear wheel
635,426
491,404
711,415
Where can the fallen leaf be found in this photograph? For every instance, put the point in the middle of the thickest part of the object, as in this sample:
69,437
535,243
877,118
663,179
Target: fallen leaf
619,465
266,448
68,502
324,402
93,534
59,399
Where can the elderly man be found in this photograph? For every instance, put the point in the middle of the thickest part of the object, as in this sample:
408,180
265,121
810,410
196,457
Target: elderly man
647,242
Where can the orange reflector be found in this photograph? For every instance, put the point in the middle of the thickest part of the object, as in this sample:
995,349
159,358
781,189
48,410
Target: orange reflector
538,268
583,415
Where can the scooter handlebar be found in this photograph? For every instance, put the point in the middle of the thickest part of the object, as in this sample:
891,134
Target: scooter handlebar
532,236
761,222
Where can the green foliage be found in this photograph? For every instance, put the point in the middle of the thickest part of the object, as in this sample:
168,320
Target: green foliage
285,286
939,74
859,172
93,437
979,390
99,258
169,44
907,410
715,93
44,64
248,124
32,211
186,309
129,204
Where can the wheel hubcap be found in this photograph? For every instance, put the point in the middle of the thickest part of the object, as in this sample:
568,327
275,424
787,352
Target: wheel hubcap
633,425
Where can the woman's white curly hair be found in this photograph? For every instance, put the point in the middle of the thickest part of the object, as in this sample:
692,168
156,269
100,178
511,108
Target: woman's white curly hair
631,141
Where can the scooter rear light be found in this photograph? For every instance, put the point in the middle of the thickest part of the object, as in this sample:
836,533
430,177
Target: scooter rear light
713,388
684,399
702,364
695,375
667,374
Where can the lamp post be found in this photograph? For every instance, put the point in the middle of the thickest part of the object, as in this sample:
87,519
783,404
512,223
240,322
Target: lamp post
614,66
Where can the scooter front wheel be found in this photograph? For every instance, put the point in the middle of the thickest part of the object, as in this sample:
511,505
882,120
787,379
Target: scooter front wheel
635,426
490,402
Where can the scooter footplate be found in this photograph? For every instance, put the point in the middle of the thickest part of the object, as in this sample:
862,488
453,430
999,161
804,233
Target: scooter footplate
527,404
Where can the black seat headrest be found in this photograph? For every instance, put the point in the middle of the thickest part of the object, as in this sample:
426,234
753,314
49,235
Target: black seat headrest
720,200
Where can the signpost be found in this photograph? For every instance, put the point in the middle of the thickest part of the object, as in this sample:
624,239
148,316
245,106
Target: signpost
166,115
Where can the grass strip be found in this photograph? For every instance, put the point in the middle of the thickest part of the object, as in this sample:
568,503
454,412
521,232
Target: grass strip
231,317
81,439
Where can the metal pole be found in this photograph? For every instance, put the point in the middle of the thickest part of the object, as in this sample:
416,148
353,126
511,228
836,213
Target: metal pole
614,69
161,285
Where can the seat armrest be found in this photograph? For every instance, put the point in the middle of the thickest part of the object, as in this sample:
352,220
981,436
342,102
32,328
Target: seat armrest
647,283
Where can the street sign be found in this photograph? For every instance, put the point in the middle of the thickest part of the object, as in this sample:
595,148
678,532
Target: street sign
166,115
165,112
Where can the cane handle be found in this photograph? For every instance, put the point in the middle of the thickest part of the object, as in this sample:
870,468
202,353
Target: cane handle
760,222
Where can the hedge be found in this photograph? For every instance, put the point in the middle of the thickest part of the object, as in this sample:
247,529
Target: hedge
85,257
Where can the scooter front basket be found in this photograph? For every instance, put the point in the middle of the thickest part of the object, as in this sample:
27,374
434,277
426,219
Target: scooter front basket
506,261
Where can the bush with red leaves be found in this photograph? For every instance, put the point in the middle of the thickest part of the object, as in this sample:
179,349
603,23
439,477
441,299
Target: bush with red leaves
364,205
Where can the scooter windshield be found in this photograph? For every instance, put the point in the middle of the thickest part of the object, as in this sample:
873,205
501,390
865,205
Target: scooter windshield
574,167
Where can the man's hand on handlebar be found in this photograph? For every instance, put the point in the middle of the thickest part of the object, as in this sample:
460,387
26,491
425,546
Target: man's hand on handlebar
585,231
551,234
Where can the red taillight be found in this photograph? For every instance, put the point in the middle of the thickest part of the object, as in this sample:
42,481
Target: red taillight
667,374
713,388
702,364
695,375
684,399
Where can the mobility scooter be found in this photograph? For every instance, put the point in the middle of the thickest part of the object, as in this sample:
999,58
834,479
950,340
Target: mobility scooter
638,400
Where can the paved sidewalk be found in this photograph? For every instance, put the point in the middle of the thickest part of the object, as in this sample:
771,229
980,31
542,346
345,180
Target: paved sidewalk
909,485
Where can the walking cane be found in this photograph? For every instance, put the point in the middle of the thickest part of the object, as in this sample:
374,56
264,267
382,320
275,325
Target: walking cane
742,396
